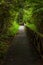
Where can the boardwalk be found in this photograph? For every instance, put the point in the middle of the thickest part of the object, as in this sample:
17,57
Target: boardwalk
22,52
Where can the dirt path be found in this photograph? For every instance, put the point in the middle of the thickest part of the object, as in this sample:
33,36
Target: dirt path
22,52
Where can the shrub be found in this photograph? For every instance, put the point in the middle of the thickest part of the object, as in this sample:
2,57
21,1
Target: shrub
38,19
3,48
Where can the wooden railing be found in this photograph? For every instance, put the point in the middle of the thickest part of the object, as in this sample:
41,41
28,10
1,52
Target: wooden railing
37,40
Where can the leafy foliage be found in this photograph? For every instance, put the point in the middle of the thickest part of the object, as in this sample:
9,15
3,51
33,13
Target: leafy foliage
3,48
27,15
13,28
33,14
38,19
7,16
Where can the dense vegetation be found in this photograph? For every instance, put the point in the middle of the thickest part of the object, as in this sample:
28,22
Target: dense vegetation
12,12
28,11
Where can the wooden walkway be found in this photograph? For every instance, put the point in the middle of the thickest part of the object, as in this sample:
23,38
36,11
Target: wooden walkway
22,52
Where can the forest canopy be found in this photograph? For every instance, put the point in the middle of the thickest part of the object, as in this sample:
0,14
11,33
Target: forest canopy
11,11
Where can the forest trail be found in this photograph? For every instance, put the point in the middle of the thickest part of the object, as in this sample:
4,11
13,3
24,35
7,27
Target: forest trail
21,51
